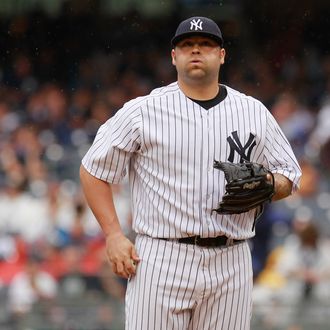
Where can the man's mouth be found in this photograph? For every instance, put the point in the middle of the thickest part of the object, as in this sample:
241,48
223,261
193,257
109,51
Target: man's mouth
195,61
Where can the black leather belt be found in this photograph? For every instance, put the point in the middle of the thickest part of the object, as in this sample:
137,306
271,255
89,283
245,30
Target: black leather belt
205,241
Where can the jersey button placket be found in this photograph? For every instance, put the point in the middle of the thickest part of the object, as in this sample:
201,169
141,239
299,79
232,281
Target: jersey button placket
209,160
204,169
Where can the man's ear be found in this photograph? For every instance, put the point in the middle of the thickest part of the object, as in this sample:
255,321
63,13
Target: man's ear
173,57
222,55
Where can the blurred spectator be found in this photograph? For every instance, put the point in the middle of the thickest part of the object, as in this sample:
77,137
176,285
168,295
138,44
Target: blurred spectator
310,181
22,75
321,132
298,269
21,214
325,157
72,282
61,213
305,263
318,146
30,286
295,121
9,120
266,238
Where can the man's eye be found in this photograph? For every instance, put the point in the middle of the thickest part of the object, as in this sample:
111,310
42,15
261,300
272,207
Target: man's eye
187,44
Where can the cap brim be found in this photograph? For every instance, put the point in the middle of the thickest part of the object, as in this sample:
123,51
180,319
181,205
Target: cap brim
180,37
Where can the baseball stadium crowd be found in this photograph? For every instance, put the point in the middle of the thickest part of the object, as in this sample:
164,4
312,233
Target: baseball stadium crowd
57,88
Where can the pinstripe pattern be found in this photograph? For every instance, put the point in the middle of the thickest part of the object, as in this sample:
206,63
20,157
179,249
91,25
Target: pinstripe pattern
168,143
182,286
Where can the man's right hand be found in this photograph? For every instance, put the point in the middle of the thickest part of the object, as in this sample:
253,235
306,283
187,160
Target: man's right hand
122,255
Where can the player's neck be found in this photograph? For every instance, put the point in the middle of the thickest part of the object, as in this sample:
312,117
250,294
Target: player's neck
199,91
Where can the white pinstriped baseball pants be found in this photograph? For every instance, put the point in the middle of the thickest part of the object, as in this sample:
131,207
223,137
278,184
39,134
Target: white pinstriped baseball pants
185,287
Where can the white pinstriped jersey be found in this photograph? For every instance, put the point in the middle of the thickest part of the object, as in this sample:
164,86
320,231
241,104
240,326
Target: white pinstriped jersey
168,144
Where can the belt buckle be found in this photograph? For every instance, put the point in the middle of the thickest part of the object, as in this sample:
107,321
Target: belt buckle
229,242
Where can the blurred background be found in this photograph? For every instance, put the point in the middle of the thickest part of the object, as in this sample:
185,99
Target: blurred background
66,66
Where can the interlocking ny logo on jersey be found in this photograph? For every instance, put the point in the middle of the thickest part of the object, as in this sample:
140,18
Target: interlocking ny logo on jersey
197,25
236,145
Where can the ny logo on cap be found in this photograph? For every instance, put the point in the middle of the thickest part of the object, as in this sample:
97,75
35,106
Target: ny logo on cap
197,25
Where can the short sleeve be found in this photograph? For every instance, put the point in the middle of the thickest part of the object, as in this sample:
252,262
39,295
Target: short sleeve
115,142
279,154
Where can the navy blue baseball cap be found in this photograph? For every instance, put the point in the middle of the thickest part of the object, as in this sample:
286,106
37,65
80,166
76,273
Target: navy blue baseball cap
198,25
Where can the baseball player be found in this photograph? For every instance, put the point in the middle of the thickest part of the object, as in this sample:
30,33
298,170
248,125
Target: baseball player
189,267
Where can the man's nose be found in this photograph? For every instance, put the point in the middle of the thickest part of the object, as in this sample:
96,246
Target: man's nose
196,48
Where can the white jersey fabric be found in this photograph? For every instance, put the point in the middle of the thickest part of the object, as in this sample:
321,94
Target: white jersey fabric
168,144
